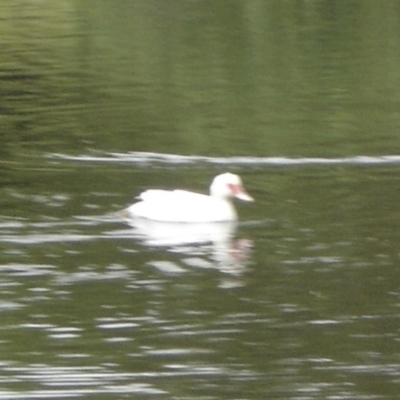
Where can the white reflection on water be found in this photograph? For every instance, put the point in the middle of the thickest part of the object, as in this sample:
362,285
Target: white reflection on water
72,382
79,381
205,245
155,233
148,158
38,238
17,269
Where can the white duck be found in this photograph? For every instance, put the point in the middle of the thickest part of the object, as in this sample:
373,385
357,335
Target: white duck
184,206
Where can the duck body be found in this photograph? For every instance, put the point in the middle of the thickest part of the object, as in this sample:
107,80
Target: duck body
182,206
190,207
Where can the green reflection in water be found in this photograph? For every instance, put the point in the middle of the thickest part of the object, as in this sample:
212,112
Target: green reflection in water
213,78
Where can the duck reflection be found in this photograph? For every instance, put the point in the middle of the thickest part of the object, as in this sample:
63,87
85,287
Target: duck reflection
203,245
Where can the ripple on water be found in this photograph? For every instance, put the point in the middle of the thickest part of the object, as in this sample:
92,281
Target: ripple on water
148,158
10,305
26,270
66,382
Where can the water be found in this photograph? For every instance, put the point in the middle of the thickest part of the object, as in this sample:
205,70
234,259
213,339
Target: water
300,300
293,306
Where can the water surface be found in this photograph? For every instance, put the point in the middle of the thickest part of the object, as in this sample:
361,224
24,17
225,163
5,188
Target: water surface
300,300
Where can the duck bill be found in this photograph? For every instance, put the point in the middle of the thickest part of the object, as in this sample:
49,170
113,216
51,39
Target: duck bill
243,195
240,193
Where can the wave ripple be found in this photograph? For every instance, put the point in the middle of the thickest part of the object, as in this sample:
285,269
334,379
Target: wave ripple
148,158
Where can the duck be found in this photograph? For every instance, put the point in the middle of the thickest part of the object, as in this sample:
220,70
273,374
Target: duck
182,206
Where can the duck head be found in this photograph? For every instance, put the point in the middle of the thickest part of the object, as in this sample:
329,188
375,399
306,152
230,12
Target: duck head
226,186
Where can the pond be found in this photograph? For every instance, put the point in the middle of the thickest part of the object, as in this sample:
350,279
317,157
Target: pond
298,300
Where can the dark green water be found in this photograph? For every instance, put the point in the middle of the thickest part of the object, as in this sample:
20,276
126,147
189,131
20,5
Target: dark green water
300,300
